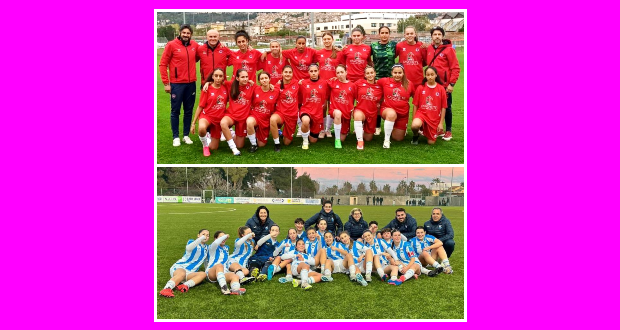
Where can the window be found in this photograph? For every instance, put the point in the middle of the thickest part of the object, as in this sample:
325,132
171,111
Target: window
381,24
389,24
373,32
373,24
318,28
347,26
325,28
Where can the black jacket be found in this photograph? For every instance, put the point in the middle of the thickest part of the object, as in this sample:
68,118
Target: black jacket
406,228
355,228
334,224
442,229
258,229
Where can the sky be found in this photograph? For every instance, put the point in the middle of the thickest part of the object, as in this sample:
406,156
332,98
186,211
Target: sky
329,176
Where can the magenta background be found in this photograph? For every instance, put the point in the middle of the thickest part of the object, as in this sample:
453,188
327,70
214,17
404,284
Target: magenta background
98,261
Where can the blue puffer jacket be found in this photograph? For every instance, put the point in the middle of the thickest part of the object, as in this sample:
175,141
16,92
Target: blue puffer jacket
442,229
334,224
259,229
355,228
406,228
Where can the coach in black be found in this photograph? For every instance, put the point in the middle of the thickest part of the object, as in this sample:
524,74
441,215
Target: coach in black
260,223
334,224
440,227
404,222
356,224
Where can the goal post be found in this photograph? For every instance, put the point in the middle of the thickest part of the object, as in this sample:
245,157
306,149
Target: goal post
208,196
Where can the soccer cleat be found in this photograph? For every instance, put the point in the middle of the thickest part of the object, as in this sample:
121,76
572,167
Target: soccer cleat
368,278
254,272
325,278
295,283
322,135
402,278
277,147
225,290
247,280
261,277
166,293
307,287
378,131
440,132
360,145
360,279
386,144
187,140
176,142
435,272
270,272
384,277
447,136
338,144
279,132
305,145
395,282
328,134
414,141
206,152
239,292
182,287
283,280
448,270
253,148
236,152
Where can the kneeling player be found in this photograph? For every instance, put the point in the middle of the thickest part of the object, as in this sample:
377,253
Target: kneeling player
429,107
186,268
314,92
301,266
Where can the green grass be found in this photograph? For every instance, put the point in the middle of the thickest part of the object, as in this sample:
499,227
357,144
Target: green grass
441,297
322,152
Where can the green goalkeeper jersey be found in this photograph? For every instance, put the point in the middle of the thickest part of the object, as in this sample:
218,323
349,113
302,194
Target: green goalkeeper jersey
383,56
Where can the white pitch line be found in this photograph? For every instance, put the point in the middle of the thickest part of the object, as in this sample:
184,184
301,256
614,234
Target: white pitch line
229,210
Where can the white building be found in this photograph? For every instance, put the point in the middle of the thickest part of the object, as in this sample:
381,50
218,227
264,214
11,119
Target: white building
371,22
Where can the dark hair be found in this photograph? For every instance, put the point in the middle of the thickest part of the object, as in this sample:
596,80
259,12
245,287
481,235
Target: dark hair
343,66
282,80
210,76
201,230
350,242
405,81
309,229
261,208
385,26
440,29
274,225
419,227
416,33
373,222
234,88
313,64
368,230
299,239
186,26
327,201
393,231
298,220
322,219
334,52
262,73
217,233
386,230
300,37
242,33
329,232
358,30
242,230
400,209
437,80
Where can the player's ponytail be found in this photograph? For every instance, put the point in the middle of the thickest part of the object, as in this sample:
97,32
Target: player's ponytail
234,89
437,79
242,230
334,51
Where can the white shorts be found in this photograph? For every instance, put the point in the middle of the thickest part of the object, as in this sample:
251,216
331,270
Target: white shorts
226,271
361,266
294,268
339,267
244,265
175,267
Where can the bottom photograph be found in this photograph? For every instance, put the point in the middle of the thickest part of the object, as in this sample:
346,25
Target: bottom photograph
310,243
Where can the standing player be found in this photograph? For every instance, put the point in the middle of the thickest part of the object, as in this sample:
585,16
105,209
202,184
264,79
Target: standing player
212,55
239,258
368,95
273,63
357,56
180,58
245,58
211,111
287,109
301,266
314,92
395,107
429,107
412,55
300,58
342,97
383,55
186,268
217,267
240,91
328,58
442,56
264,100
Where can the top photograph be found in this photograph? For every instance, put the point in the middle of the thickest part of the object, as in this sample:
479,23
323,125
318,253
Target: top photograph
283,87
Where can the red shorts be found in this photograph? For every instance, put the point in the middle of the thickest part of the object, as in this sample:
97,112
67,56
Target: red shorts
429,127
288,125
346,126
240,127
370,123
316,123
214,125
262,131
401,120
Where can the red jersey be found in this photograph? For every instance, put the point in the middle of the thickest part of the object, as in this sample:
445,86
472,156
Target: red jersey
430,101
395,96
367,96
213,103
300,61
181,60
274,67
263,105
446,63
327,65
239,109
313,96
342,96
356,57
412,57
249,61
212,58
288,98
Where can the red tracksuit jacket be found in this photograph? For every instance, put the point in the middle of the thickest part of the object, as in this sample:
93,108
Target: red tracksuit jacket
446,62
181,60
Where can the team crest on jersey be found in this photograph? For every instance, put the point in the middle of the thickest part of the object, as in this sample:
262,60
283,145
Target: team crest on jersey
261,108
437,94
250,56
342,98
313,97
241,99
288,97
441,55
302,65
357,58
410,60
395,95
220,51
174,96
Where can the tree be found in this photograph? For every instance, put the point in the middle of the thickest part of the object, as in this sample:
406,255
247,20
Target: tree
419,23
361,188
361,28
386,188
166,31
424,191
280,177
331,190
373,187
401,188
236,174
346,188
304,186
463,184
411,187
436,180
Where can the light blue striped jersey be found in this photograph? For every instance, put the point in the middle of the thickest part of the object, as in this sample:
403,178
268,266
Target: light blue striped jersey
302,235
313,247
308,258
191,261
322,236
378,247
243,250
335,255
218,254
418,245
404,251
291,246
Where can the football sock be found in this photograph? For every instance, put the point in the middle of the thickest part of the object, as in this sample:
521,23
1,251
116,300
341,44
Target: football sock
190,283
368,268
352,271
221,280
252,138
328,123
276,268
424,270
234,286
204,140
276,140
240,274
304,276
436,264
328,272
322,268
289,277
388,126
358,126
337,128
169,285
393,278
304,136
310,280
380,272
409,274
325,123
232,144
446,263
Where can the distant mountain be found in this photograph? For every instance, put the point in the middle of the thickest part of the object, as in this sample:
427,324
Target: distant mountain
197,18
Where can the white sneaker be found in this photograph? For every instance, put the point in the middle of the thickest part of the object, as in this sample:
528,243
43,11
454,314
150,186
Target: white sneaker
236,152
322,135
187,140
305,145
328,134
176,142
378,131
222,138
233,133
386,144
299,132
